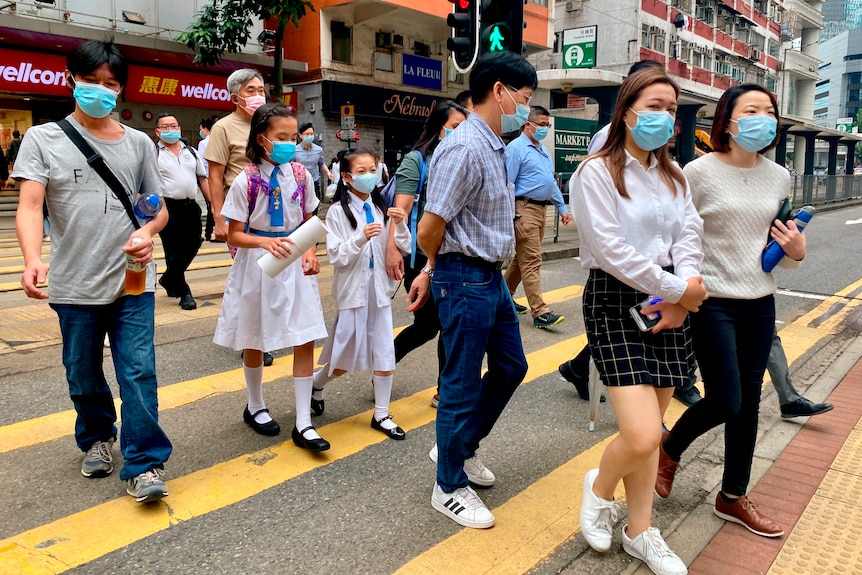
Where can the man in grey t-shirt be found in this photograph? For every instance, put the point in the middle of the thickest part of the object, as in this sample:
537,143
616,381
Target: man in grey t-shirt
92,236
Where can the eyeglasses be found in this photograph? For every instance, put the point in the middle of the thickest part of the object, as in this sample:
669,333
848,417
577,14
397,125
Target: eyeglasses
169,127
527,98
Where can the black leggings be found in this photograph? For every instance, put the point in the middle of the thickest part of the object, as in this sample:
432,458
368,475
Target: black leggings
426,322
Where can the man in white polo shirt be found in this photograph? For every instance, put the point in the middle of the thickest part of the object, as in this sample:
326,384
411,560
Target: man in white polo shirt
183,172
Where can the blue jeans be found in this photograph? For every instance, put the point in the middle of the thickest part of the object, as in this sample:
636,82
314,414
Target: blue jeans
129,321
732,339
477,317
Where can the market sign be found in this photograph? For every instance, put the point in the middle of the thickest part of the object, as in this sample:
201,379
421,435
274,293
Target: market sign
421,72
579,47
177,88
571,138
844,125
33,73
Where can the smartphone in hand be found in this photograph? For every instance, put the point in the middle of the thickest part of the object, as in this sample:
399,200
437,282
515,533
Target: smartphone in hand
645,322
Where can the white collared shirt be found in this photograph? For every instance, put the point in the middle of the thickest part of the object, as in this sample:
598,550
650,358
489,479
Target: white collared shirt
634,238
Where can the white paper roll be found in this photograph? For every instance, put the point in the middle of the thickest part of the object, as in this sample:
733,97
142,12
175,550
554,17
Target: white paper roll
305,236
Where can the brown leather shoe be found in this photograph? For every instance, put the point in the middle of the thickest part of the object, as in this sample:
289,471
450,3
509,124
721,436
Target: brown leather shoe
744,512
666,471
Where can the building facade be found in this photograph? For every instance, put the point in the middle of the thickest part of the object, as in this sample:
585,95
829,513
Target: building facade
388,59
36,37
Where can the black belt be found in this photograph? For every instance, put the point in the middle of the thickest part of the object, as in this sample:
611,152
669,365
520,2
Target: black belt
454,257
536,202
183,201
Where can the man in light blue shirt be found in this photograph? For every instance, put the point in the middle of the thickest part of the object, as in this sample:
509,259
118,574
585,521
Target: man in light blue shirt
531,170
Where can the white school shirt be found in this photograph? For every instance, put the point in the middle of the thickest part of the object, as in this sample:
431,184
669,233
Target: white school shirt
634,238
349,252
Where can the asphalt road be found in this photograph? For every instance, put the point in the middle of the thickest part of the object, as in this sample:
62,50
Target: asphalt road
243,503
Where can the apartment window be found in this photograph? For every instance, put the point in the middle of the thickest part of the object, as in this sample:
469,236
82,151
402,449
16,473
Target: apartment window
539,2
771,84
646,41
705,13
773,48
341,41
660,43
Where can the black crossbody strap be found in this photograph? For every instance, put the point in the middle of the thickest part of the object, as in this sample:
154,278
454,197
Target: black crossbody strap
98,163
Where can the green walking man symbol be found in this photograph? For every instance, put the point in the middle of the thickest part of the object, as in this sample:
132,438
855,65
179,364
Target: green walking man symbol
496,40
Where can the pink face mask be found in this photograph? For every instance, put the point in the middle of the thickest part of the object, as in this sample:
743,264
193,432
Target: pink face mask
252,103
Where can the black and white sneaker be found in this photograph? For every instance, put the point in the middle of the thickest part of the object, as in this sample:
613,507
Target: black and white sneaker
147,486
462,506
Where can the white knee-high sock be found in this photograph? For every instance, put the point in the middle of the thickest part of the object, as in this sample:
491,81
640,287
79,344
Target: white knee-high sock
254,386
302,389
382,394
321,377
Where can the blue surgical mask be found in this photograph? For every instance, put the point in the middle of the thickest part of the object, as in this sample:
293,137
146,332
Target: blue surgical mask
446,132
308,139
652,130
169,136
755,132
540,133
514,122
202,135
95,100
364,183
282,152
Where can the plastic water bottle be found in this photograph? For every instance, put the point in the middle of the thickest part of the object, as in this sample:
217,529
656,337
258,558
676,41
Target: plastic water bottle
136,274
147,206
773,252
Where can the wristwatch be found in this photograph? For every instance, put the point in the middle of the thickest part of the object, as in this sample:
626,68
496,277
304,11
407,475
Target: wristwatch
428,270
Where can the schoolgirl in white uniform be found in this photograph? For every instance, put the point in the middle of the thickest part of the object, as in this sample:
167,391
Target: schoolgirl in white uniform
267,201
361,335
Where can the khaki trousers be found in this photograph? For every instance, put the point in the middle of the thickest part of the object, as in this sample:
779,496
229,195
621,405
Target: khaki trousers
527,265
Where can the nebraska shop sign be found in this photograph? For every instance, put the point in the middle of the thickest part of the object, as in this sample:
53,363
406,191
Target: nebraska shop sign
44,74
378,102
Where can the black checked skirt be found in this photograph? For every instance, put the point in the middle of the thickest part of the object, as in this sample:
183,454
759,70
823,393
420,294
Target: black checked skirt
623,354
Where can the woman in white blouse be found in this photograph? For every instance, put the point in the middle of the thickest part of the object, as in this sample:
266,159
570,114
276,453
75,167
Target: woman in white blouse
640,236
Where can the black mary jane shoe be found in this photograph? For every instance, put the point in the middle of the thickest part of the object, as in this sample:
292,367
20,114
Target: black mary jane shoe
299,439
395,433
317,406
268,428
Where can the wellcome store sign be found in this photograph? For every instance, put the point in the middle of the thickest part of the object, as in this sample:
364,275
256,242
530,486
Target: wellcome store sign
44,74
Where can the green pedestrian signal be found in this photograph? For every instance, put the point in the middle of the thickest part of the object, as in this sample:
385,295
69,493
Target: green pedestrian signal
496,38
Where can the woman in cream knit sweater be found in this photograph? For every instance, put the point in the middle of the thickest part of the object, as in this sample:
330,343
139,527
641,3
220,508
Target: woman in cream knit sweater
737,192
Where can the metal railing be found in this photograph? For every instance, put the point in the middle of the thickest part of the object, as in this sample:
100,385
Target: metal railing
816,190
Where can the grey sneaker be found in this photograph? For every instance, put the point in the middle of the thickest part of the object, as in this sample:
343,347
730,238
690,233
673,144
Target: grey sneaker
98,461
477,473
148,486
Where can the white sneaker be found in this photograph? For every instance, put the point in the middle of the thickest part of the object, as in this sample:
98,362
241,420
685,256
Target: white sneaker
477,473
597,515
650,548
462,506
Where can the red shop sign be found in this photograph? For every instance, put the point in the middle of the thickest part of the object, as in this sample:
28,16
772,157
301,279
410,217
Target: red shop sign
177,88
33,73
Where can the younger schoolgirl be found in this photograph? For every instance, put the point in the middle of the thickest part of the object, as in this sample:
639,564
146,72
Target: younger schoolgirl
270,198
361,339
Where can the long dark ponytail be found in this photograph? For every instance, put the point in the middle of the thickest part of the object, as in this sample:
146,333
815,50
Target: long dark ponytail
342,190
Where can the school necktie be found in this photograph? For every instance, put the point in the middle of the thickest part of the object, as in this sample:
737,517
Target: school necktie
369,219
276,210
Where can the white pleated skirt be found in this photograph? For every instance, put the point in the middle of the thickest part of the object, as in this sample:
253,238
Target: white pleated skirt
361,338
263,313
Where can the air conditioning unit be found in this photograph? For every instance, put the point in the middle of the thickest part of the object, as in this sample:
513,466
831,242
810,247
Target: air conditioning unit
654,30
710,4
779,66
674,37
756,54
777,16
573,6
